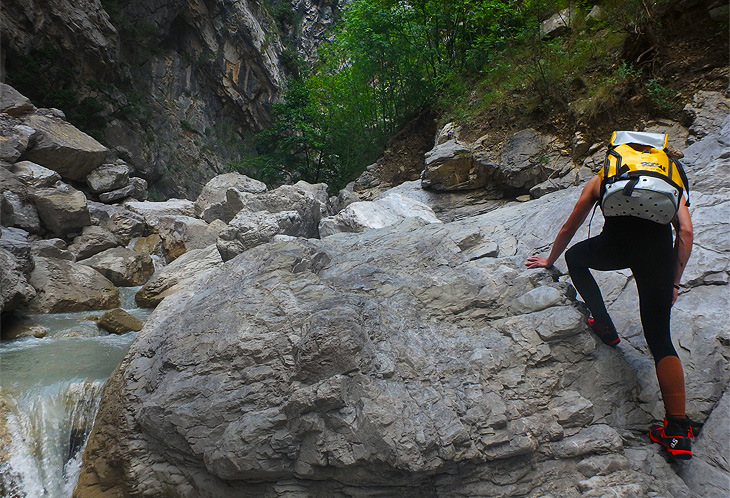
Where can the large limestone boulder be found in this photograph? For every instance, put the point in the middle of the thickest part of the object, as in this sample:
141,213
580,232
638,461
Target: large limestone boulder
529,157
558,24
177,276
62,210
123,223
452,166
108,177
153,212
14,287
368,215
14,138
12,102
51,248
63,148
93,240
212,202
35,175
63,286
135,189
183,233
251,229
16,204
17,242
118,321
124,267
293,210
418,360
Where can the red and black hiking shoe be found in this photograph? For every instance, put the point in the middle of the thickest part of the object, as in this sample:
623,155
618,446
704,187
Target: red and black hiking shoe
607,335
679,446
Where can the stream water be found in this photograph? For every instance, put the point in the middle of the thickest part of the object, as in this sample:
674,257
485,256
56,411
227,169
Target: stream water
50,390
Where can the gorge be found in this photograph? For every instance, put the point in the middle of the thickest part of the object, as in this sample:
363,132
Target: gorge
383,340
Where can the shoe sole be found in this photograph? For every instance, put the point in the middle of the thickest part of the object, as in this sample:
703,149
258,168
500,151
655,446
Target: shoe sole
679,454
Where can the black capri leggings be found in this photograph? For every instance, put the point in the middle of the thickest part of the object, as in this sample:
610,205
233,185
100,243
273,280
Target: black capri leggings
644,247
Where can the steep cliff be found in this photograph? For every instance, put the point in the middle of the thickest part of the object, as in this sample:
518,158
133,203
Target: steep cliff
175,88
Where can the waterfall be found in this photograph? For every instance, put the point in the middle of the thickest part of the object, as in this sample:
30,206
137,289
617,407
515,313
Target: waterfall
49,426
50,391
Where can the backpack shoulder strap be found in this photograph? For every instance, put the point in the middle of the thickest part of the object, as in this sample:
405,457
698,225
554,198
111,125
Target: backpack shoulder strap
683,176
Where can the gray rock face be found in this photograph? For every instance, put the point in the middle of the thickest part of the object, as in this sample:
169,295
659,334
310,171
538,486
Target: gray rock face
177,276
63,148
118,321
452,166
529,158
211,204
62,210
63,286
558,24
108,177
13,102
182,233
16,205
124,267
414,360
93,240
35,175
14,288
135,189
289,210
368,215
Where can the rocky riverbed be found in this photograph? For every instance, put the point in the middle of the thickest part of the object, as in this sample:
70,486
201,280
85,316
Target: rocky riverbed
314,345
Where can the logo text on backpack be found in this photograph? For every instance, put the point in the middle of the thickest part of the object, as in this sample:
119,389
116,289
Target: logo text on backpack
653,165
674,442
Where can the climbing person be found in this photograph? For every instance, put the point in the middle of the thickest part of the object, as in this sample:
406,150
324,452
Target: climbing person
637,235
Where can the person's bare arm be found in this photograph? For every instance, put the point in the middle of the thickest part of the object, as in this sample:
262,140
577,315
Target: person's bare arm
682,244
588,198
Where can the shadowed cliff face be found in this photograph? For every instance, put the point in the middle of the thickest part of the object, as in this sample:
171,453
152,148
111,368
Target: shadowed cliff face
176,88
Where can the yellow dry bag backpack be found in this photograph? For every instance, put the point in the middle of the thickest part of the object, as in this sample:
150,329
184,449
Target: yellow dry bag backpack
640,179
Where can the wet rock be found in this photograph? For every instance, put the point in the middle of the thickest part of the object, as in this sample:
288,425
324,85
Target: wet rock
118,321
63,286
124,267
63,148
18,329
152,244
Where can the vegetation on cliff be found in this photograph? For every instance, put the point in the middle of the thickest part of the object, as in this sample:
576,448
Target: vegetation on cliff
487,63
